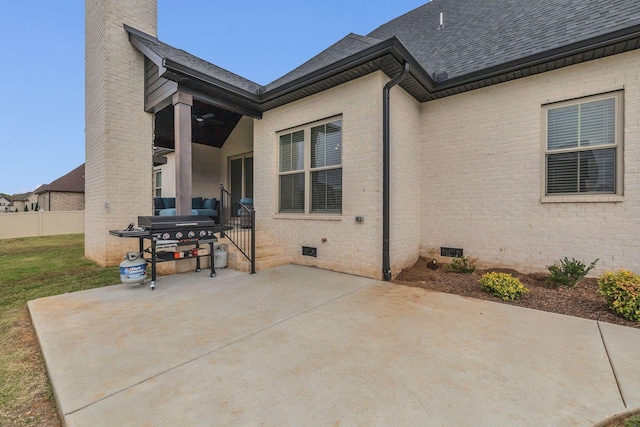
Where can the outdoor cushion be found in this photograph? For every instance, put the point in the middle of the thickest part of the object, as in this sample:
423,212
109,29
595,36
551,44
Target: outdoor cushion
172,212
196,202
158,203
169,202
247,201
210,203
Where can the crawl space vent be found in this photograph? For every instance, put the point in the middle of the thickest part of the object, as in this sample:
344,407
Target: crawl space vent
451,252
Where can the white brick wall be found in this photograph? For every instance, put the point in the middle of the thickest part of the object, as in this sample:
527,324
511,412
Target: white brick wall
350,247
481,174
118,178
405,183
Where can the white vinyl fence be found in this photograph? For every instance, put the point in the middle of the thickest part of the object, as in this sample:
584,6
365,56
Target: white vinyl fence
41,223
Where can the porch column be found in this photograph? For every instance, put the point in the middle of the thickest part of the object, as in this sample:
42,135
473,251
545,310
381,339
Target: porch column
182,123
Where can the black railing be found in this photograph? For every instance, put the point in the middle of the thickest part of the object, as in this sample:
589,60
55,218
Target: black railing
242,218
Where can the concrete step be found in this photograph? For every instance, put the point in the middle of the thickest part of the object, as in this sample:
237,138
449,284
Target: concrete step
268,254
237,261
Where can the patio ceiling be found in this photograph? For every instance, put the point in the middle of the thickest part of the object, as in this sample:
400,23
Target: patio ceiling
210,125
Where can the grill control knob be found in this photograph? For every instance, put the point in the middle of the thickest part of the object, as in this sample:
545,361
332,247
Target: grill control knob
203,233
166,236
179,235
191,234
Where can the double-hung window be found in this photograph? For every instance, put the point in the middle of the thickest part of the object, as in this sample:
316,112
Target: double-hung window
583,146
310,171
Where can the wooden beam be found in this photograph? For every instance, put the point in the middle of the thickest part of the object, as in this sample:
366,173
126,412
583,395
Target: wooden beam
182,125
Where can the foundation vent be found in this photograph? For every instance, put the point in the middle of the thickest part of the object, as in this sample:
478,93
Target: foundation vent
451,252
309,251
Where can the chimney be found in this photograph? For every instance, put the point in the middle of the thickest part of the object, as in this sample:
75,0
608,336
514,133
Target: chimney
118,132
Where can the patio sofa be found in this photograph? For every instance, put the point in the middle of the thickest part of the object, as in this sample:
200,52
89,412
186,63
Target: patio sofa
166,206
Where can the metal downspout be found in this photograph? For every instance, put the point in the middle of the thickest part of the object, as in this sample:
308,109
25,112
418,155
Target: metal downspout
386,262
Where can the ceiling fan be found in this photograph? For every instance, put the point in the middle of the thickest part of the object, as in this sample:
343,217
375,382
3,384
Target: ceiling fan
204,118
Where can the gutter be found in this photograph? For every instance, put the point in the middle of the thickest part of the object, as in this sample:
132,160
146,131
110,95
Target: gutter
386,138
391,46
541,58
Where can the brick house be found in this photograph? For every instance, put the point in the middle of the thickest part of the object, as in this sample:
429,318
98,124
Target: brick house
22,200
64,194
509,130
6,203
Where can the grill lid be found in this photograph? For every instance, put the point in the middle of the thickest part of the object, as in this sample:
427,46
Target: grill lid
174,222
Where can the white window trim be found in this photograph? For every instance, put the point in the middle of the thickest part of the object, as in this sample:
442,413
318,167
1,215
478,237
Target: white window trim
307,214
155,183
619,145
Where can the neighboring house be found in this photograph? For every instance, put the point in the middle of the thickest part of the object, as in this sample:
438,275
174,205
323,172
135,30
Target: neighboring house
6,203
509,130
30,200
64,194
20,201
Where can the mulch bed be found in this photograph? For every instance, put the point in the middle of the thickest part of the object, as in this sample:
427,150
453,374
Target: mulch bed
583,300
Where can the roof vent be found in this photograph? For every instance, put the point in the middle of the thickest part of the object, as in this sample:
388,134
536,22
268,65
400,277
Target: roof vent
441,26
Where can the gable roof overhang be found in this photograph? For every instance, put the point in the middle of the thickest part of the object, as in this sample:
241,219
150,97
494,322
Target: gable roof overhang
221,87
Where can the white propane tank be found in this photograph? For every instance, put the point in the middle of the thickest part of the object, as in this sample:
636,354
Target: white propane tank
133,270
219,257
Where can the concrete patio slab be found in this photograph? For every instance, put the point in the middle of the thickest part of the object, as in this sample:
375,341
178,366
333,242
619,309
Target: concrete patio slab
623,347
297,345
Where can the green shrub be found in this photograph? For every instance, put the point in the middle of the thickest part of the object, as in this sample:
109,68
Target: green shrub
503,285
570,272
462,264
621,289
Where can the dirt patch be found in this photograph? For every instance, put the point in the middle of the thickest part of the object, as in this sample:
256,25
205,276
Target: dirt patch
582,300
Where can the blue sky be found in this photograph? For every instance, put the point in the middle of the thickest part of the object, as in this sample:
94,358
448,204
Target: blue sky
42,72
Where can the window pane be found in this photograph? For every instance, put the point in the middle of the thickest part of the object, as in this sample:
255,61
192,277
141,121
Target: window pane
598,171
597,123
326,145
326,191
591,171
292,193
562,127
292,151
562,173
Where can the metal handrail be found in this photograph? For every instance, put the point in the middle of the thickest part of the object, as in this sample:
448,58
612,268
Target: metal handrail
240,217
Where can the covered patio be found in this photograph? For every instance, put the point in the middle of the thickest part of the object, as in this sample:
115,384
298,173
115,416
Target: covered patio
203,132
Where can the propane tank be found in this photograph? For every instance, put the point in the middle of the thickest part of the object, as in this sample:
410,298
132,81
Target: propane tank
133,270
219,257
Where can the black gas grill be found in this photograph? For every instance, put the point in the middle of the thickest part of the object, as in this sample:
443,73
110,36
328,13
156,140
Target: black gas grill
184,229
167,233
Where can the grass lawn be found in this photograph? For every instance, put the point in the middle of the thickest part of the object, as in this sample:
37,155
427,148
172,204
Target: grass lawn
31,268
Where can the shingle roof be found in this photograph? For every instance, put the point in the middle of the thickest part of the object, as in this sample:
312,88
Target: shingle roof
481,34
480,43
181,57
73,182
351,44
21,197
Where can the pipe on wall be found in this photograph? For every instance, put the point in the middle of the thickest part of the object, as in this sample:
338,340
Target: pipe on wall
386,137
